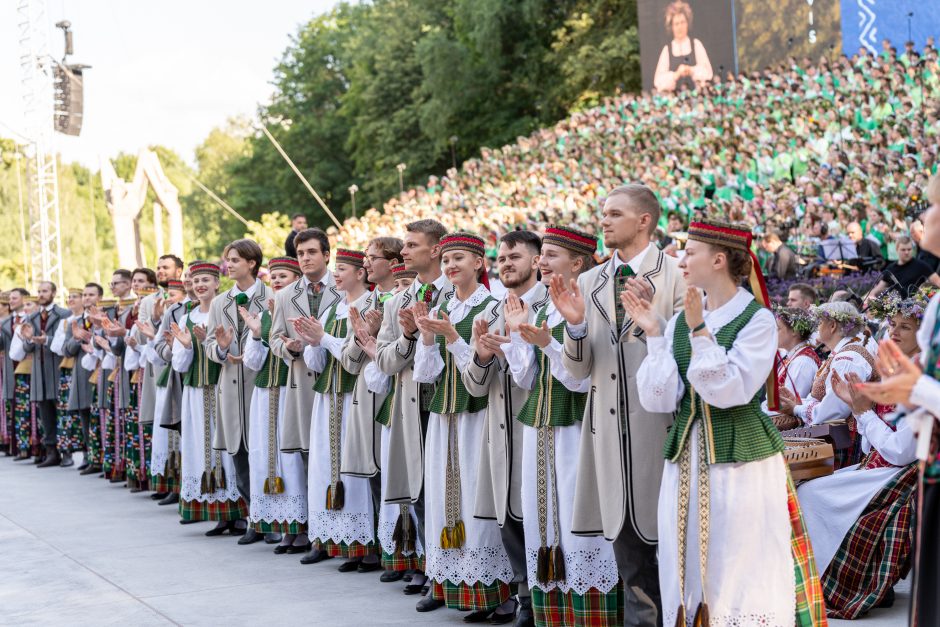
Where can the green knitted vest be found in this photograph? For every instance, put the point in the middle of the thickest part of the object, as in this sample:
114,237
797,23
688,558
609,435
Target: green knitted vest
334,378
274,371
551,404
450,396
202,371
384,417
737,434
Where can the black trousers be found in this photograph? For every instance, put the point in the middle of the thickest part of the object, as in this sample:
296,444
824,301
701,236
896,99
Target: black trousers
925,606
513,538
639,570
242,472
49,421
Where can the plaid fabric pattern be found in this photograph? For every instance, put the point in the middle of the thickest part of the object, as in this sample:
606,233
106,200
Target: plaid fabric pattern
217,510
874,555
341,549
162,483
287,526
22,412
473,598
391,561
737,434
592,609
810,607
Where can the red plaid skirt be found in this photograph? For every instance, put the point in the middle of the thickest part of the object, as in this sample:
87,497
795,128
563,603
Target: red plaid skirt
474,597
347,551
217,510
402,562
567,609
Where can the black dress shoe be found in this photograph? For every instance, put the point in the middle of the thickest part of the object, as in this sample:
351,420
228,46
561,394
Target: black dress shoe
314,556
272,538
368,567
217,531
156,496
412,588
169,499
391,575
480,616
502,619
408,574
92,469
298,548
189,522
888,601
281,549
66,460
524,617
427,604
349,566
83,466
250,536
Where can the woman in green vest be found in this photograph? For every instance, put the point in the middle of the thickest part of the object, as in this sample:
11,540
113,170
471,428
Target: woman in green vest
278,482
465,558
571,577
208,490
732,545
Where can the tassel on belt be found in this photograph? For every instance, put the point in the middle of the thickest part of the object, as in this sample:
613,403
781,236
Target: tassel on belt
685,493
273,484
453,535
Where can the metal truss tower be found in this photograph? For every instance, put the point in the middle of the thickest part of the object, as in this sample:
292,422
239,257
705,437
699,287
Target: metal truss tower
36,70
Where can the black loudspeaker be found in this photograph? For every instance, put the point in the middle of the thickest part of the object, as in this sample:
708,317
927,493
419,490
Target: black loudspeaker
67,92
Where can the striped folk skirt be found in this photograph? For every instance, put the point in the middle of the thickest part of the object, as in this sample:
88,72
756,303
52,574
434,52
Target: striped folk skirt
138,439
165,459
69,437
26,427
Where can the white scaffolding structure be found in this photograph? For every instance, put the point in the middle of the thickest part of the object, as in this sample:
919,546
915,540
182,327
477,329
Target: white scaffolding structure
36,67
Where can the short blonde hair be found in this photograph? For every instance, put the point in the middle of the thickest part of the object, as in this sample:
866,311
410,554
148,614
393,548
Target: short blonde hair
674,9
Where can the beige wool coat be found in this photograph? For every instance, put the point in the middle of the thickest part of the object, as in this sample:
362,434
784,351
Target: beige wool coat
291,302
395,354
236,382
619,469
499,478
147,398
362,440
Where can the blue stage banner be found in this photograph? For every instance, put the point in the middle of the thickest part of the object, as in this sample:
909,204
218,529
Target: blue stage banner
865,23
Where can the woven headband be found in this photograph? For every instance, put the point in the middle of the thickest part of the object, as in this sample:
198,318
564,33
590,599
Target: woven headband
401,272
204,267
286,263
463,241
574,240
352,257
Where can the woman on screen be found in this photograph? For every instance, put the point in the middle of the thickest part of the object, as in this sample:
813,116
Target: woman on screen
683,63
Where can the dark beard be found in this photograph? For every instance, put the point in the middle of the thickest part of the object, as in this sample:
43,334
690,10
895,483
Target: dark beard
523,279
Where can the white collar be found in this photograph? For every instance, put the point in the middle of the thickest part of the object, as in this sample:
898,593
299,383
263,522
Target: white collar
438,283
475,299
529,297
250,292
718,318
636,263
307,282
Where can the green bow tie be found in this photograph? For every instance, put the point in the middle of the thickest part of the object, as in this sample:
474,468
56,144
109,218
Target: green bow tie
241,299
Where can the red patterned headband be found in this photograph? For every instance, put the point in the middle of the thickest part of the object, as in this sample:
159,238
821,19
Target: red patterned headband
286,263
574,240
721,234
204,267
463,241
174,284
352,257
401,272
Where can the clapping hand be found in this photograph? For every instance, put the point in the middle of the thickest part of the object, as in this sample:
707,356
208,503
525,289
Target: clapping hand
694,315
899,374
515,311
846,391
567,299
181,336
309,329
26,331
146,329
252,321
79,333
642,313
199,331
102,343
373,320
539,336
406,320
786,401
488,344
224,336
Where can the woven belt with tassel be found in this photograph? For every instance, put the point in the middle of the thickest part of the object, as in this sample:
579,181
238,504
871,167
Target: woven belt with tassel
207,482
550,563
335,493
453,534
273,484
685,493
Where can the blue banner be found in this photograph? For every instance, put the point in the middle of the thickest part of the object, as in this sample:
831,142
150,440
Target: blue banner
865,23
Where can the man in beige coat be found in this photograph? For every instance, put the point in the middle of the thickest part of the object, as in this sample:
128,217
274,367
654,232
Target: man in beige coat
499,479
620,461
395,353
226,336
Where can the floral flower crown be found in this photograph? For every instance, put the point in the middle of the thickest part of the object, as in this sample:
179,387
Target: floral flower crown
801,321
850,322
891,304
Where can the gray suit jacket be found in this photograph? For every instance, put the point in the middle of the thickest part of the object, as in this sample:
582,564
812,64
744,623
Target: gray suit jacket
80,386
6,337
291,302
173,407
44,378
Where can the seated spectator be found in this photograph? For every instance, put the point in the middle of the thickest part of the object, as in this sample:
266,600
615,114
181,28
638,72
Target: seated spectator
905,276
801,296
784,263
868,250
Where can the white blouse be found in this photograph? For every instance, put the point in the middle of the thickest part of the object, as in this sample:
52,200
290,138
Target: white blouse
255,354
182,356
722,378
831,407
899,447
315,356
58,340
377,381
428,361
